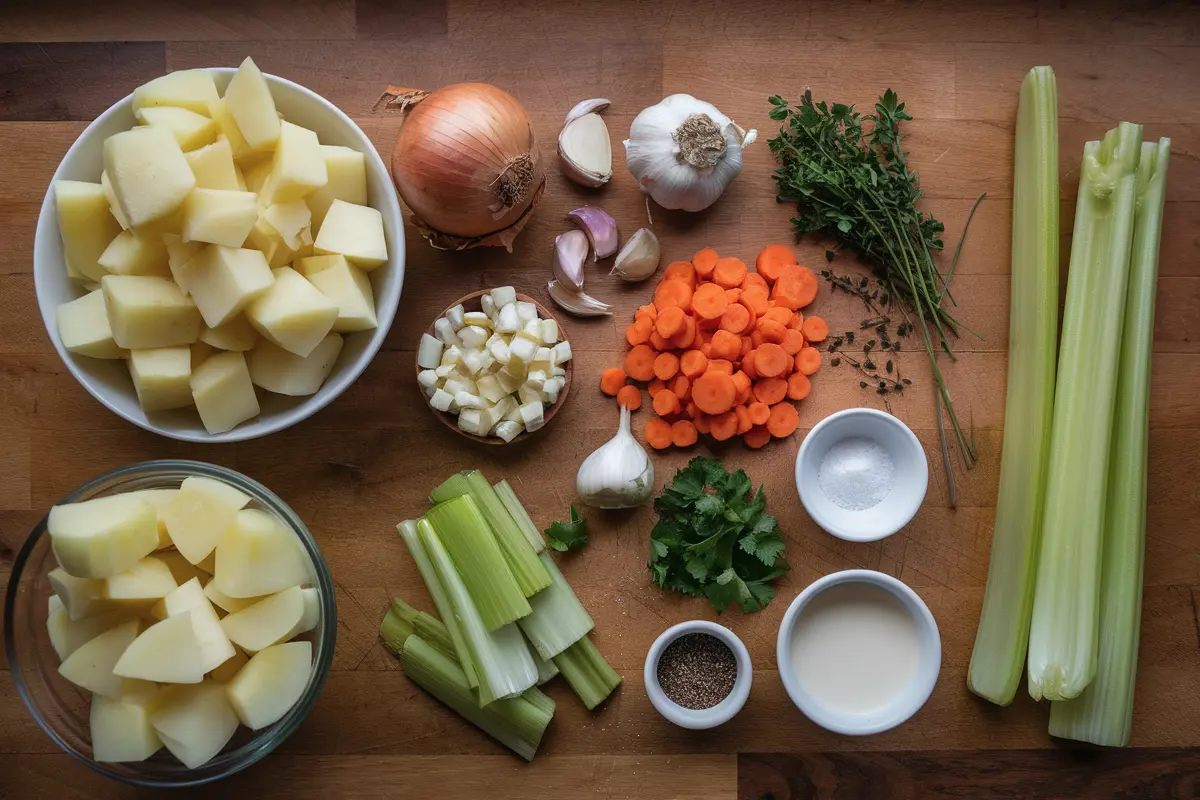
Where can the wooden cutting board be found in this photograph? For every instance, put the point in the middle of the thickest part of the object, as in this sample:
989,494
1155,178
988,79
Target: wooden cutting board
368,460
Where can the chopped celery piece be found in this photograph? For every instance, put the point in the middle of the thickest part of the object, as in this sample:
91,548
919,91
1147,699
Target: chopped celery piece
402,621
998,658
1103,713
465,534
517,723
588,673
502,659
1063,630
408,532
558,620
547,670
509,498
519,553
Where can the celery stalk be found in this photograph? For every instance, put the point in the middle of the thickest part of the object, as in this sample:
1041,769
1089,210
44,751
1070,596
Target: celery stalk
587,672
546,669
998,657
502,659
408,532
558,620
465,534
517,723
1103,713
1063,631
402,621
519,552
509,498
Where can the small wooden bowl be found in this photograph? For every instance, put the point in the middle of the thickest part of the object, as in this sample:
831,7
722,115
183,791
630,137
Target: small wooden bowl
474,302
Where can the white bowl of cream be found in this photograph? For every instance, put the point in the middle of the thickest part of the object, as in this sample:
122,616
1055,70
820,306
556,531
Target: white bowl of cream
859,652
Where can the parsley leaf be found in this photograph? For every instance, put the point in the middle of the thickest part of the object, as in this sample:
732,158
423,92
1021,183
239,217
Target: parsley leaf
713,538
565,536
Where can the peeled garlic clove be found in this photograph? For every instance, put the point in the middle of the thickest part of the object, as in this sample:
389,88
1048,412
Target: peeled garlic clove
601,230
639,257
586,107
584,147
578,303
570,251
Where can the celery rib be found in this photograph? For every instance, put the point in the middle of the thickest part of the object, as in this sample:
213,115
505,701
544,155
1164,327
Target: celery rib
402,621
509,498
558,619
589,675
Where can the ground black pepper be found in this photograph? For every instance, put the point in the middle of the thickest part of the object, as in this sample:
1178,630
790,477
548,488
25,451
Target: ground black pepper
697,671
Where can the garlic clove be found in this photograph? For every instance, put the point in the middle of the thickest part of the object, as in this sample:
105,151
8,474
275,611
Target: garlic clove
578,303
639,258
570,251
601,230
585,150
586,107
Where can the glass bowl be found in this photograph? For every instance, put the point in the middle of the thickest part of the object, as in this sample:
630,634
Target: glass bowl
62,709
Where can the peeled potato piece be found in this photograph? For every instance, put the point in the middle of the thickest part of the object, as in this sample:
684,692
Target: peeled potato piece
103,536
267,622
257,555
194,722
121,731
93,665
166,652
270,684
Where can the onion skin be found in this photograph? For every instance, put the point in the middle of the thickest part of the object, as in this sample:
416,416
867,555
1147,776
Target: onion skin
467,163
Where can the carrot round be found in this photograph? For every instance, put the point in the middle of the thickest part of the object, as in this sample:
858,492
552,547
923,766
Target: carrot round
658,342
756,298
733,294
754,279
665,366
736,318
637,334
709,301
815,329
682,271
756,437
769,360
743,419
747,346
673,293
683,433
693,363
706,349
639,362
611,381
797,321
793,340
748,365
713,392
630,397
772,259
705,261
669,322
666,403
701,421
681,387
656,386
726,345
686,335
783,420
808,360
770,390
724,426
720,365
658,434
771,330
795,288
778,314
646,311
729,272
759,412
798,386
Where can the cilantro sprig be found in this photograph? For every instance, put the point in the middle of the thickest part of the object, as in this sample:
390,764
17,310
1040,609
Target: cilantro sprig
565,536
714,538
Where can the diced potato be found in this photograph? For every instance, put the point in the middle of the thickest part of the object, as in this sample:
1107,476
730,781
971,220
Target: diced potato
225,602
298,167
311,615
257,555
68,635
200,353
121,731
270,684
213,166
209,564
141,585
131,254
201,510
192,89
350,289
223,393
182,570
347,171
114,207
179,253
166,652
228,128
215,648
291,220
256,174
227,671
249,100
92,666
219,216
194,722
85,224
267,622
225,280
159,498
236,334
314,264
269,242
83,327
147,312
150,177
190,129
280,371
101,537
354,231
162,377
81,597
293,313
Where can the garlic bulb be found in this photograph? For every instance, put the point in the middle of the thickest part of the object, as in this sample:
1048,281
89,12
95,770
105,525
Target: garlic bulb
619,474
684,152
639,257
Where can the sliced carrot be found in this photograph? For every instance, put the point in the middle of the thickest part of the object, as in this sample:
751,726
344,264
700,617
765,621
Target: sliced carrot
611,381
658,342
682,387
726,345
724,426
719,365
808,360
658,434
798,386
702,421
656,386
756,298
747,346
790,367
713,392
756,437
693,363
743,419
683,433
666,403
665,366
729,272
756,338
637,334
795,288
673,293
793,340
759,412
669,322
772,259
769,360
705,261
770,390
706,349
783,420
771,330
736,318
748,365
778,314
630,397
741,380
682,271
647,311
733,294
815,329
754,279
709,301
797,322
639,362
708,325
685,337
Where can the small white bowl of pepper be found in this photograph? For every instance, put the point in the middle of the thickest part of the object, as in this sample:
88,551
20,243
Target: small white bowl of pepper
698,674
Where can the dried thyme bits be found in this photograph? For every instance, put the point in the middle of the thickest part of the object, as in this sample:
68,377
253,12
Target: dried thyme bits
697,671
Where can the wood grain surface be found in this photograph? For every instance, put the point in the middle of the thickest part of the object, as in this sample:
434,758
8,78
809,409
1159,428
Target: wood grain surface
367,460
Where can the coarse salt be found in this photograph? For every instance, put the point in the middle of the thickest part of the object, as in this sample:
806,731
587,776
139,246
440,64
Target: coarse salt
856,473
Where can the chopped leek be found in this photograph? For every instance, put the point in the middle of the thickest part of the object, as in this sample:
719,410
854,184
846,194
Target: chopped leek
517,723
509,498
518,550
1103,713
465,534
558,620
998,657
402,621
408,532
1063,631
502,659
588,673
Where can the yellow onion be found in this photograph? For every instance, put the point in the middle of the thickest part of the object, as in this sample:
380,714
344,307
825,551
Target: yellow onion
467,163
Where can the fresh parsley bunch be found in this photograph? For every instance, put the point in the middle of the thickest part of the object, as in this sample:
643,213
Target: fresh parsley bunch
713,539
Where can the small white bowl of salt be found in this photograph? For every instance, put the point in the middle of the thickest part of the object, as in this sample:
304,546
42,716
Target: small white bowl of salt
861,474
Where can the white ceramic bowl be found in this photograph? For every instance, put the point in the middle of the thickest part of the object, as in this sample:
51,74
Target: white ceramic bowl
907,702
699,719
910,477
109,382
